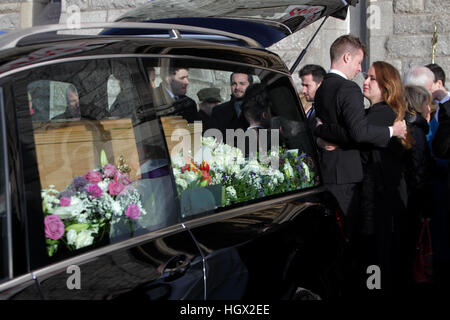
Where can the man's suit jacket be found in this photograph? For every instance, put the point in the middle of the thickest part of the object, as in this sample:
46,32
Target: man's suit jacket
339,104
311,117
441,141
182,106
224,117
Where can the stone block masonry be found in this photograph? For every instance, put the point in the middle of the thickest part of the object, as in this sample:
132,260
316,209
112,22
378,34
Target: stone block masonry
401,35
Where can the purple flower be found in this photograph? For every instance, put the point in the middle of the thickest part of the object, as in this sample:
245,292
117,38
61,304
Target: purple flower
64,202
54,227
94,177
109,170
66,194
94,191
133,211
79,183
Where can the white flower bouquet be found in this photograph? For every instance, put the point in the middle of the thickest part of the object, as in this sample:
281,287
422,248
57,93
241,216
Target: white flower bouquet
86,210
244,179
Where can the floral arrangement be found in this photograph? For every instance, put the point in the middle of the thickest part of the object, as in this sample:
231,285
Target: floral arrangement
89,207
244,179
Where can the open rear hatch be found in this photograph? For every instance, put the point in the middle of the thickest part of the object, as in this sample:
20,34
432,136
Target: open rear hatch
265,21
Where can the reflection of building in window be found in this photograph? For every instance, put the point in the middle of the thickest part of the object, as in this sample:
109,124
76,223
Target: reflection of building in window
39,93
72,104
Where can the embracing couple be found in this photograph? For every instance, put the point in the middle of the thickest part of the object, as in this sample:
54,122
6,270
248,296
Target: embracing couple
363,151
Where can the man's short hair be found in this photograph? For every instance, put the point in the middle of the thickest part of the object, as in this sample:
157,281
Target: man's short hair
317,72
256,102
418,76
438,72
346,43
249,77
171,71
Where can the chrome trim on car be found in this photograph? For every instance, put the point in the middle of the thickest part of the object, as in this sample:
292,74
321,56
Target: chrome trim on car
4,144
125,55
231,213
10,40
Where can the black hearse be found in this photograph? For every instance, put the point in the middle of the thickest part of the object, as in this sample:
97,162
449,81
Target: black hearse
102,198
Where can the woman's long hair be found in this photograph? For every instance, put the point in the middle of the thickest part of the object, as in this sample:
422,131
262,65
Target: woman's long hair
416,97
393,92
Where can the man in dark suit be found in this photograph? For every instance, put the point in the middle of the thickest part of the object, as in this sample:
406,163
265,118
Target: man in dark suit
441,146
170,96
311,76
340,105
228,114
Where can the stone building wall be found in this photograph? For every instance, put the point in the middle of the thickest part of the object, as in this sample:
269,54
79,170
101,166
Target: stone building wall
404,37
396,31
9,14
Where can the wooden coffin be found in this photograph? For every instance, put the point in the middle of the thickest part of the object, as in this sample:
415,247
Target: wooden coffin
176,130
66,149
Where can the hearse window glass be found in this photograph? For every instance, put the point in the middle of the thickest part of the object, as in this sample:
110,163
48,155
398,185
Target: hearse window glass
217,163
3,213
102,161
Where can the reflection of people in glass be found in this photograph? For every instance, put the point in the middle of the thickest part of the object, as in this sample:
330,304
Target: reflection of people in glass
73,105
256,110
30,104
209,98
172,92
151,77
228,114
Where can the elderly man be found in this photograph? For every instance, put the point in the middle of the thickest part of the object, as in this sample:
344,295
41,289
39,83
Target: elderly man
73,105
432,78
209,98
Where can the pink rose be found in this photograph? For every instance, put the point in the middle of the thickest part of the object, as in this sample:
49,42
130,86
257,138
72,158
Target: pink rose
133,212
115,188
109,170
94,176
64,202
54,227
95,191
